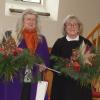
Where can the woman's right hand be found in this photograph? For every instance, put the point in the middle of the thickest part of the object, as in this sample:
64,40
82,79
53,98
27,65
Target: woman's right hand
42,67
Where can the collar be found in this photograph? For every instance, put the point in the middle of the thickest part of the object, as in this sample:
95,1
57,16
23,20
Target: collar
71,39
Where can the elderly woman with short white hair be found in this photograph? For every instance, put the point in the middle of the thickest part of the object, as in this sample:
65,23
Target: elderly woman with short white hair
66,88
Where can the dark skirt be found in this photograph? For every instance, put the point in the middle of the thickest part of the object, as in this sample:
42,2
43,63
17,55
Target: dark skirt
66,88
29,91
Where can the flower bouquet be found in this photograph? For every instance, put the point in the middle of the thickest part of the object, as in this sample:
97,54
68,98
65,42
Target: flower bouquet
13,59
83,65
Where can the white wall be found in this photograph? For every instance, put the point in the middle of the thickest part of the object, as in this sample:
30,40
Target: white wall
53,7
86,10
2,7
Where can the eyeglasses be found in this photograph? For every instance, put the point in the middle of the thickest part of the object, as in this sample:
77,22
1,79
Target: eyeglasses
72,25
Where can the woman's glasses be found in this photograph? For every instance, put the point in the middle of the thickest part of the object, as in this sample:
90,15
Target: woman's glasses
72,24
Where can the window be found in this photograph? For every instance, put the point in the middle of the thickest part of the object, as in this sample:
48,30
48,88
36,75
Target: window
34,1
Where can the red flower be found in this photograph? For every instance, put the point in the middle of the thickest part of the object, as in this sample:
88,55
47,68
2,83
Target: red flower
68,65
1,49
76,66
15,53
5,56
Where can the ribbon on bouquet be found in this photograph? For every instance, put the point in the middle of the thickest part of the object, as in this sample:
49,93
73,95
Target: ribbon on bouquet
42,87
41,90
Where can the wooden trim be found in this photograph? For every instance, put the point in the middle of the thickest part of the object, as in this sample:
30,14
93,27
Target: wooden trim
12,10
49,48
97,27
48,76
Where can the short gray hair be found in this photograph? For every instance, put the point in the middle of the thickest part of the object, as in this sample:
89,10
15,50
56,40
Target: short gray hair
69,18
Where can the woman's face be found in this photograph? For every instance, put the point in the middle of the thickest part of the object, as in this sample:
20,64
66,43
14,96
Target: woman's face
72,28
29,22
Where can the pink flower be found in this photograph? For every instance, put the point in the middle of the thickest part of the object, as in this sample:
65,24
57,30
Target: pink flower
19,50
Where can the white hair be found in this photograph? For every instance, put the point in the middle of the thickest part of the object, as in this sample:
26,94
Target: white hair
68,19
19,26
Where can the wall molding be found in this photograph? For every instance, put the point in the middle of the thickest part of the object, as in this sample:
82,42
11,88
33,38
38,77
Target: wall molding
12,10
